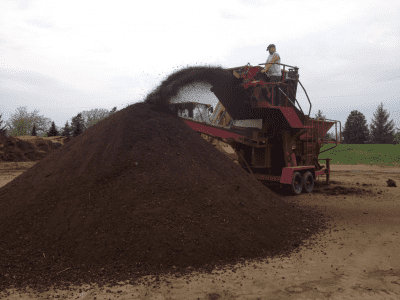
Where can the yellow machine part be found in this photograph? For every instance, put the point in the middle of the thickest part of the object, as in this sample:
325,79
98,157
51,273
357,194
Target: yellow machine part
219,111
225,148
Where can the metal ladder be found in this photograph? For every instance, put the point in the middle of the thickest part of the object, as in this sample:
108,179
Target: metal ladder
308,154
308,150
308,159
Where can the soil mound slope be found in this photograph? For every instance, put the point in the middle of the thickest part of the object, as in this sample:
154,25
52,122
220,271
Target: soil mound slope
139,193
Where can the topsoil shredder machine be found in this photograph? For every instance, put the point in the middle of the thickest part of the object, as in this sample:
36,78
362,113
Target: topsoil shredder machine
272,142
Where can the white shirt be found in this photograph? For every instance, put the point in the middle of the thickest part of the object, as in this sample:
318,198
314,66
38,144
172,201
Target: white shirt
275,70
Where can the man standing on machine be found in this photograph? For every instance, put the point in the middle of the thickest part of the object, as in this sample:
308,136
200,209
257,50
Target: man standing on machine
273,71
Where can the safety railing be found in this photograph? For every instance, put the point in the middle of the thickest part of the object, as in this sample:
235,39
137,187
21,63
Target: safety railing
340,134
283,80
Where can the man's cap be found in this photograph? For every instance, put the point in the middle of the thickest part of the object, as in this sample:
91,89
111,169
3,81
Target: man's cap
270,46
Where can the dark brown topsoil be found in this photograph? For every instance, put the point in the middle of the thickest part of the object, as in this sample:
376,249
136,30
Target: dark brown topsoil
27,148
140,193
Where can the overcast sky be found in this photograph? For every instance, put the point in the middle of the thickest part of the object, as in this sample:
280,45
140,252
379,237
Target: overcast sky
65,57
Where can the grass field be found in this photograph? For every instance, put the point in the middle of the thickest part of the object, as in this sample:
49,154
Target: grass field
369,154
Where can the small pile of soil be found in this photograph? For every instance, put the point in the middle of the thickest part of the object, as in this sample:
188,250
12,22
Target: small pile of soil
391,183
28,148
340,190
139,193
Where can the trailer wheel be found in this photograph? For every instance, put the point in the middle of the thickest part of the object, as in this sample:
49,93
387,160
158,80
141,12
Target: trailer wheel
308,182
297,183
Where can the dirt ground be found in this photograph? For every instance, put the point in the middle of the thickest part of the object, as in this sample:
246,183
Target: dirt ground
356,258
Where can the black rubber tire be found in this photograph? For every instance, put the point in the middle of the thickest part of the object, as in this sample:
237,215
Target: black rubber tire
297,183
308,182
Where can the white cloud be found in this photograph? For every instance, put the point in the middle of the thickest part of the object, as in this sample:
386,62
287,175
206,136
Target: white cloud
40,23
122,49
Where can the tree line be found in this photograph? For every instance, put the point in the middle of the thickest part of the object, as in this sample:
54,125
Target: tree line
32,124
356,130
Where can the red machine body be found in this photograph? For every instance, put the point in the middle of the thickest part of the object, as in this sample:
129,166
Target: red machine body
285,145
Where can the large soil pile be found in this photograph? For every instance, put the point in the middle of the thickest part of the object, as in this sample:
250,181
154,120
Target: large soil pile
139,193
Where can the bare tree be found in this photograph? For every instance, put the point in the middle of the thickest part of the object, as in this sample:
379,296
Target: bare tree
94,116
22,122
28,120
3,130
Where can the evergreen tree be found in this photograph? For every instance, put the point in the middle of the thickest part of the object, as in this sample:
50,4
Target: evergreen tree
33,133
77,125
396,138
355,130
319,115
66,130
3,131
329,136
53,131
382,130
77,130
